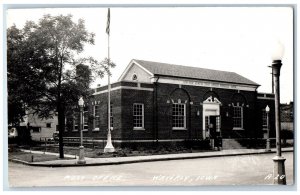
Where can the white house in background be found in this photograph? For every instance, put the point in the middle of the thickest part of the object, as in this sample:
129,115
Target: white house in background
40,128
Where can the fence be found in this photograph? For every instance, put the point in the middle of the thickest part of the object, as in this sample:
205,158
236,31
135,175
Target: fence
92,142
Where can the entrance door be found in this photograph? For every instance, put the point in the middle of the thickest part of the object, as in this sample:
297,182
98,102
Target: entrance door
214,124
211,115
210,121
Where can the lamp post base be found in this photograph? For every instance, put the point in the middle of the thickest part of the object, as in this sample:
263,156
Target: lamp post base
279,170
81,159
109,148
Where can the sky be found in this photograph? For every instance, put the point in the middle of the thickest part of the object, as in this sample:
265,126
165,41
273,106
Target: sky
236,39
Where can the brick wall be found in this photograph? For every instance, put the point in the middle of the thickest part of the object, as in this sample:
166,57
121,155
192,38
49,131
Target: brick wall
161,111
194,124
102,100
129,97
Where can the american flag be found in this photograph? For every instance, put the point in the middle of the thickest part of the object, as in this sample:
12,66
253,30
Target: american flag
108,21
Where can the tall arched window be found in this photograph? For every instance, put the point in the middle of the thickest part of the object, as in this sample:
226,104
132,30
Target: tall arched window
238,116
180,110
238,106
179,116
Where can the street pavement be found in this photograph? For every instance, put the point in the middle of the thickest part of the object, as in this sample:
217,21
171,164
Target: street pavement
238,170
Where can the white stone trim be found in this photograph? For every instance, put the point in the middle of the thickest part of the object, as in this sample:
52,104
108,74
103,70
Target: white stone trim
266,98
149,140
179,129
208,106
238,129
96,129
131,63
124,87
138,128
214,84
211,100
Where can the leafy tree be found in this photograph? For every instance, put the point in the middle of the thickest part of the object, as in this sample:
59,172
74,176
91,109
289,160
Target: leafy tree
43,71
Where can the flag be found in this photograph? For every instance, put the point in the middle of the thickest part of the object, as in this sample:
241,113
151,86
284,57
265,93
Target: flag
108,21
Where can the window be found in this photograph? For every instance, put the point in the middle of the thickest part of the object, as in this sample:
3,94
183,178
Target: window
36,129
96,117
76,122
138,116
218,124
237,117
85,119
264,119
48,125
206,123
178,116
111,117
134,77
69,124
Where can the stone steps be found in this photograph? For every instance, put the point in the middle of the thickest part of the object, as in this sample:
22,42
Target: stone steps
231,144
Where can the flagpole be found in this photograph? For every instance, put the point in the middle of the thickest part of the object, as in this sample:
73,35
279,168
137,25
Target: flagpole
109,147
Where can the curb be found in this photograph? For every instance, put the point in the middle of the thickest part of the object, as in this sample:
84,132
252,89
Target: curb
19,161
140,160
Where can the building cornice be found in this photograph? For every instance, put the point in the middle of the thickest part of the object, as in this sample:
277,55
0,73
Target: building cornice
124,87
204,83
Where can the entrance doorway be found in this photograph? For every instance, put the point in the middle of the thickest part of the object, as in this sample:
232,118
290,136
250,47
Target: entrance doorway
211,118
214,126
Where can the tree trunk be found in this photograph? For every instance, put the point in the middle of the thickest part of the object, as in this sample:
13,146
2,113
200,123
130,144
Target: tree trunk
61,126
60,110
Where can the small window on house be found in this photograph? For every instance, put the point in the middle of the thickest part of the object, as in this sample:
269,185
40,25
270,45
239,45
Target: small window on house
36,129
178,116
237,117
48,125
138,116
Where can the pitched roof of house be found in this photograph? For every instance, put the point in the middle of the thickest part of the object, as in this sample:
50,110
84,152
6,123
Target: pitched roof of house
164,69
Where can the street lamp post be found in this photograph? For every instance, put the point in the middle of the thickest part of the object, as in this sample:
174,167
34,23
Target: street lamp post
81,159
279,168
268,148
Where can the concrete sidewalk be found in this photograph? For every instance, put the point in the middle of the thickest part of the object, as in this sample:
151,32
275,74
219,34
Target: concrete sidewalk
137,159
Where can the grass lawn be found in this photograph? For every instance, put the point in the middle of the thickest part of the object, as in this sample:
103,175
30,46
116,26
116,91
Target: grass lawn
98,152
30,157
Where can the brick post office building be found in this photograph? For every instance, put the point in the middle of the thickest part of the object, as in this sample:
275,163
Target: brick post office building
158,102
